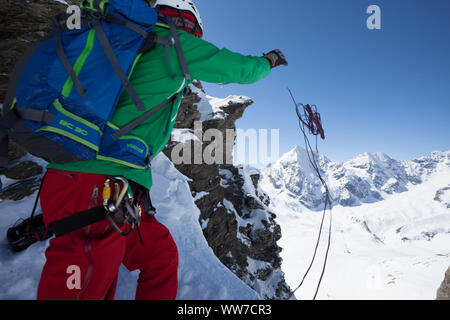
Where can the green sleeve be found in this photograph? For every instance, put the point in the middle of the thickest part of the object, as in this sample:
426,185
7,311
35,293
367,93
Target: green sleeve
210,64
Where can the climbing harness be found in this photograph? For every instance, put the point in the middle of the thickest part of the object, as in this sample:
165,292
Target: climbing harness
122,208
309,119
123,204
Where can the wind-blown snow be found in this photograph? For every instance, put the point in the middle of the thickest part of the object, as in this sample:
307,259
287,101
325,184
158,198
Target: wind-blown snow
394,247
201,274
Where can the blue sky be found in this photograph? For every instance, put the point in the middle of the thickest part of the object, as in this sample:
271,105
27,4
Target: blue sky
377,90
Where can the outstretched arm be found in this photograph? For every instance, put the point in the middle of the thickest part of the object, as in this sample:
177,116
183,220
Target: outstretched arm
209,63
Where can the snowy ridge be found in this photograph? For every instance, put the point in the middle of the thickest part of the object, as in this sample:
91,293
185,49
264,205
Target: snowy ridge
263,276
211,107
257,233
391,224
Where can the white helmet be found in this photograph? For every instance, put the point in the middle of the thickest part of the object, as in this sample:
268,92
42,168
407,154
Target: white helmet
183,5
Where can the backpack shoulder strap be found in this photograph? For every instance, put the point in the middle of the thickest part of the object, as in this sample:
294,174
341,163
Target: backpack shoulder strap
179,49
164,42
57,34
104,42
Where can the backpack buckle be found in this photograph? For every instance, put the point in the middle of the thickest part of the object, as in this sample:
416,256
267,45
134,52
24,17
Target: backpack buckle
95,5
91,9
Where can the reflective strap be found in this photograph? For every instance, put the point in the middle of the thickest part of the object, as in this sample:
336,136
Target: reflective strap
115,64
71,135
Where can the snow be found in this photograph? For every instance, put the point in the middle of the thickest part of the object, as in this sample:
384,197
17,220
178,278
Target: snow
445,196
211,107
200,195
62,1
201,274
395,248
183,135
268,286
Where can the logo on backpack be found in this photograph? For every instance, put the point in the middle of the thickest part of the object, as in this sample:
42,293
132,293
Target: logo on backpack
73,127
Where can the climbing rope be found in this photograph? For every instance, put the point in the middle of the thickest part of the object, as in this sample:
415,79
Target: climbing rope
309,120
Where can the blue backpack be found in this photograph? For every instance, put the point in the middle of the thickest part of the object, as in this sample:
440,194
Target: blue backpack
63,92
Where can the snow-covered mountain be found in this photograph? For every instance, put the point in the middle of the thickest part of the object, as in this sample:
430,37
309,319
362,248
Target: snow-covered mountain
366,178
391,224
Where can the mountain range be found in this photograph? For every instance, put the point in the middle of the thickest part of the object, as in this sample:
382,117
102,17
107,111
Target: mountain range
366,178
390,229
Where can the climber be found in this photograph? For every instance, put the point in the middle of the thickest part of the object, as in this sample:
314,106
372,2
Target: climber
95,252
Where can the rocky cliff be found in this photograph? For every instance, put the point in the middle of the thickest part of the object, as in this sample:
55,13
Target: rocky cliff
235,217
444,290
21,23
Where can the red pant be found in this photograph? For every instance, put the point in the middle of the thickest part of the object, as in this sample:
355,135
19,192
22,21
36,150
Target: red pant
84,264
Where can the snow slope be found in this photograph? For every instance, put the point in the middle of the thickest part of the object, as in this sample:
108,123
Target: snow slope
396,247
201,274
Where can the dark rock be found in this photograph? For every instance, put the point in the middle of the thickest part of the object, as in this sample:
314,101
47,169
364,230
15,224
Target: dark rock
443,292
20,189
15,151
439,196
228,199
23,170
22,23
188,113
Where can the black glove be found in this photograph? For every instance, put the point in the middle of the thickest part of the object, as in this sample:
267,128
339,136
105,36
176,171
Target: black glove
276,58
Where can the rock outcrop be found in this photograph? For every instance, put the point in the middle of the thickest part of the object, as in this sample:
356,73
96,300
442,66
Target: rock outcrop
444,290
235,217
21,23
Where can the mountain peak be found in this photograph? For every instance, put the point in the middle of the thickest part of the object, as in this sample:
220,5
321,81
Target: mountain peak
368,177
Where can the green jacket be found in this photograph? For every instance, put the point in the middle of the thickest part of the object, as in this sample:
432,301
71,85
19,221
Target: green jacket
152,78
